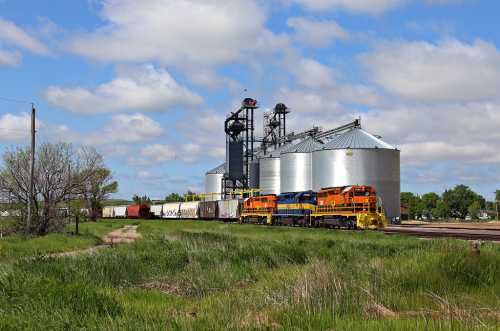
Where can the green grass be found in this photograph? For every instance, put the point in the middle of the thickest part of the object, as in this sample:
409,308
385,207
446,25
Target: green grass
187,275
14,247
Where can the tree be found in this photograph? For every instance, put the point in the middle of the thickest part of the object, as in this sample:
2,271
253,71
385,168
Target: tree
173,197
61,174
97,183
429,203
141,200
442,210
55,178
497,201
414,204
459,199
191,196
474,209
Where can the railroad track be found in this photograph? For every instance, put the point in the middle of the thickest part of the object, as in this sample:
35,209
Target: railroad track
468,234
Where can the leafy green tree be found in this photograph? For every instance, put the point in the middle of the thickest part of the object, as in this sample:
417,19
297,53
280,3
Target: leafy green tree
474,209
442,210
497,201
173,197
141,200
459,199
191,196
429,203
414,204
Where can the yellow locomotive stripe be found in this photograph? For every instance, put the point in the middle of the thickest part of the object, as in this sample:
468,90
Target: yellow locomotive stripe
296,206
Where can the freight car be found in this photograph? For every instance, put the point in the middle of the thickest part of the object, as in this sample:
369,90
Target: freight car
208,210
229,210
171,210
120,212
156,211
189,210
138,211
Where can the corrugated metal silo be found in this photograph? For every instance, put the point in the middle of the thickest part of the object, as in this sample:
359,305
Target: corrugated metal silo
296,166
269,171
213,182
358,158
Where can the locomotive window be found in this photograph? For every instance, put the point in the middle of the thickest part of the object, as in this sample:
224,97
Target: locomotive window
322,194
264,200
362,194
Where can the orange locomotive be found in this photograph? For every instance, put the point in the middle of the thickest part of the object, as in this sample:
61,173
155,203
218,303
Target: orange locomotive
349,206
259,209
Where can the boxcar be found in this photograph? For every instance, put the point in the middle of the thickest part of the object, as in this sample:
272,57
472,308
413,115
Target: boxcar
138,211
171,210
229,209
108,212
209,210
189,209
157,210
120,212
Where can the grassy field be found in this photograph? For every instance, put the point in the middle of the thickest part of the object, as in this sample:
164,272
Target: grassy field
186,275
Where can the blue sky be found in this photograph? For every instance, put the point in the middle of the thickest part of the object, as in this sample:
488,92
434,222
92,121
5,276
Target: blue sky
148,82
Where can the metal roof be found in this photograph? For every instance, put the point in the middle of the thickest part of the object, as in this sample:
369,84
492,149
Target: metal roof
277,152
356,138
221,169
307,145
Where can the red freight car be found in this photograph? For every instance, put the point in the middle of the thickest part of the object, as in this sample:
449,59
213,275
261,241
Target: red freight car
138,211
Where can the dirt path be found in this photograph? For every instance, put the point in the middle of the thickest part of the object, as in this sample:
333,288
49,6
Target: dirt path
128,234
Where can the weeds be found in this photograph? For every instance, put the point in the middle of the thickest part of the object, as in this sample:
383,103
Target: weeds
210,276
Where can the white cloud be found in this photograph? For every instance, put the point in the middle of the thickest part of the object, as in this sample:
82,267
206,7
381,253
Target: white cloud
15,36
310,73
158,153
15,128
112,137
125,128
316,33
445,71
372,7
8,58
452,132
425,152
141,88
173,31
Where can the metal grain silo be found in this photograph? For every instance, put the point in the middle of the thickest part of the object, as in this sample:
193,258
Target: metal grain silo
296,166
213,182
269,171
358,158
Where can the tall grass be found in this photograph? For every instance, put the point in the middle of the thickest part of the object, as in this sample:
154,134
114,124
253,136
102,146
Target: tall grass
211,276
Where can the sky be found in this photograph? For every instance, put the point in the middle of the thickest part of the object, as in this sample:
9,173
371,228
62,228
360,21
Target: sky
148,83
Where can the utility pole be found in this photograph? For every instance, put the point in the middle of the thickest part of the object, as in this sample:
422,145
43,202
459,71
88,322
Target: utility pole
32,169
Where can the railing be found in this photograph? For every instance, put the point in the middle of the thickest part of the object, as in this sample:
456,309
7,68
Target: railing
350,207
258,210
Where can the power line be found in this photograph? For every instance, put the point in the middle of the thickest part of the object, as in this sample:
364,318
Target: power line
16,100
13,130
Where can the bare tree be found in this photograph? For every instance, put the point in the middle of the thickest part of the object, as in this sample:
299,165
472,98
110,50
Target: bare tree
61,174
14,179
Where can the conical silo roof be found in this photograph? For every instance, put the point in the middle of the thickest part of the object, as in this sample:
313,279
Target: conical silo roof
277,152
307,145
221,169
356,138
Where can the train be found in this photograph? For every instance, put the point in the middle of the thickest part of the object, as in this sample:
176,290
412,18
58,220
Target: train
350,207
